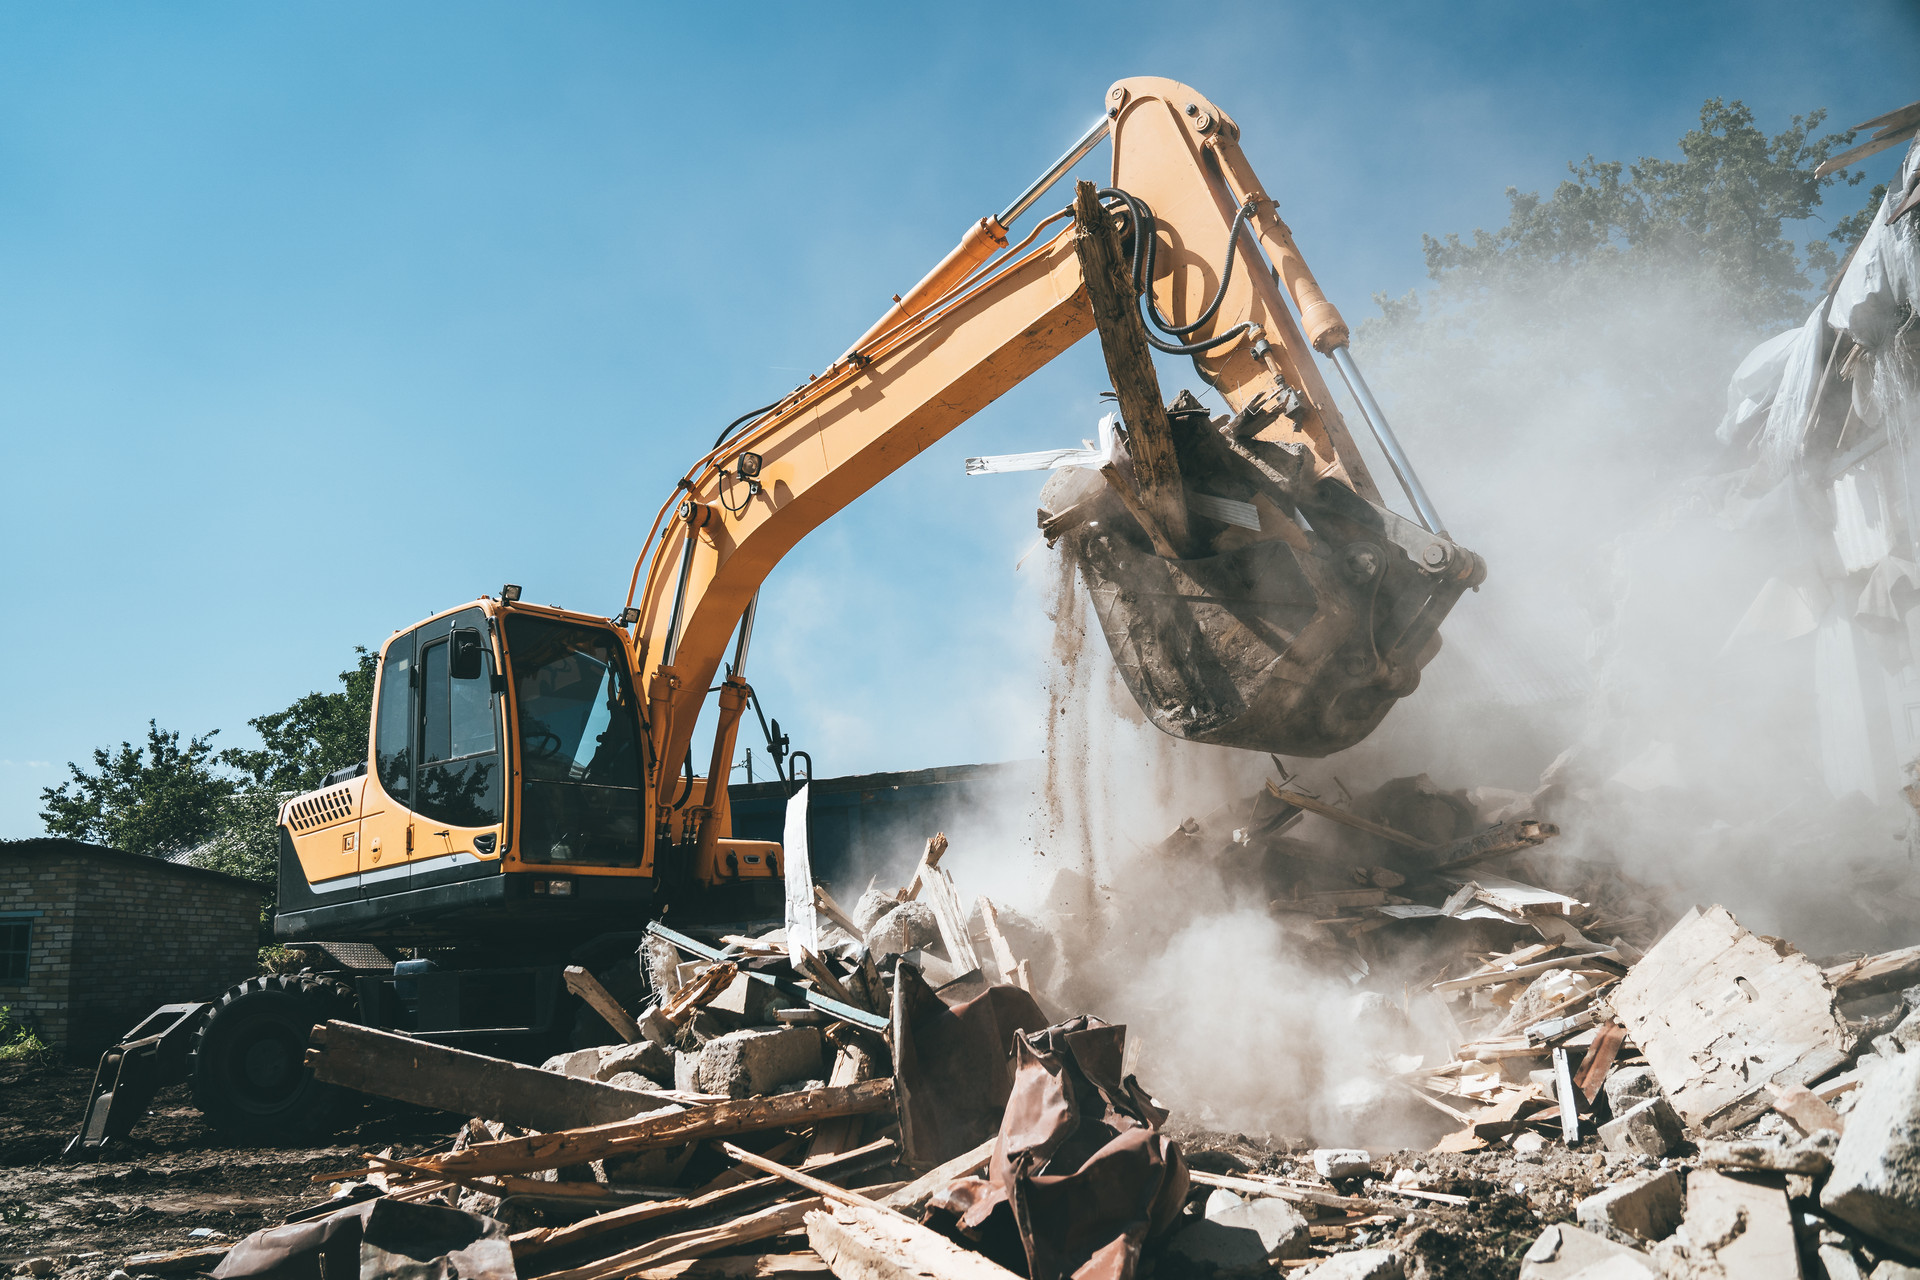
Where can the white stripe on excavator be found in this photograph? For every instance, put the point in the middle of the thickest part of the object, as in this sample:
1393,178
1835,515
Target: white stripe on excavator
357,879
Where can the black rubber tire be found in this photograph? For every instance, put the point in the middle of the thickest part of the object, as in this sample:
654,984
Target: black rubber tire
250,1076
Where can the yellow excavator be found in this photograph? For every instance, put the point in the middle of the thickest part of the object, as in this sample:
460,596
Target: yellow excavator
529,797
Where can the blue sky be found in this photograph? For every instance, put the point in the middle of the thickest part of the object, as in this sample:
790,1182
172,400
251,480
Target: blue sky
315,319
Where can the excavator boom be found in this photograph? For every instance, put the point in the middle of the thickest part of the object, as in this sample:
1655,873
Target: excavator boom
1253,588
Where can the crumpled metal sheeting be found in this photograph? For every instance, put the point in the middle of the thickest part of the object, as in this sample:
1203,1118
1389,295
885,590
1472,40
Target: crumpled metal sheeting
376,1240
952,1069
1081,1167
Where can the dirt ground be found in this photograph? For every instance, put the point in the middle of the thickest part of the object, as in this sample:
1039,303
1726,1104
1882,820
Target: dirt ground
173,1177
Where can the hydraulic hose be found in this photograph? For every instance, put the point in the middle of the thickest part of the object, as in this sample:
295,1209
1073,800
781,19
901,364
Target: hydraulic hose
1145,246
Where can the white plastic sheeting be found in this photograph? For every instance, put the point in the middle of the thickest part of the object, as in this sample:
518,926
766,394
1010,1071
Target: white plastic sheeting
1860,521
803,919
1884,275
1093,456
1783,439
1751,392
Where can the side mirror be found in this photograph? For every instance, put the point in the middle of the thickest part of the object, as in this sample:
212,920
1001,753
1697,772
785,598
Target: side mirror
464,662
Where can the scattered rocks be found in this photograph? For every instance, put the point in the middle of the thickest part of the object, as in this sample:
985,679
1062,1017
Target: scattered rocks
1563,1252
1243,1237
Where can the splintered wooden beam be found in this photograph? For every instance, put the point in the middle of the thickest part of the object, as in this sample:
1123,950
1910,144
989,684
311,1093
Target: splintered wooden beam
1123,340
719,1120
1332,813
601,1001
1496,842
862,1243
425,1074
658,1213
1876,975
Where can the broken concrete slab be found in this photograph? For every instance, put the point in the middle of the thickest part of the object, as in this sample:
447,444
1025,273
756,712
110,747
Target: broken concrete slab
1720,1012
1563,1252
1648,1208
1649,1128
1875,1184
1739,1223
1812,1155
755,1062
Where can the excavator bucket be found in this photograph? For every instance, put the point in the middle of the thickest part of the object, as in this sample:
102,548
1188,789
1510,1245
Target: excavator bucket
1304,615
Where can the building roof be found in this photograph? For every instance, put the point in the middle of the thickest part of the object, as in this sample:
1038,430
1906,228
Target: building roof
48,848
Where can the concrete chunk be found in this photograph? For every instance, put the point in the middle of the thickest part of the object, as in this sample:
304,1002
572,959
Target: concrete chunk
645,1058
1628,1087
1244,1237
1335,1163
1360,1264
745,1064
1650,1128
1648,1208
1736,1225
907,927
1563,1252
1875,1183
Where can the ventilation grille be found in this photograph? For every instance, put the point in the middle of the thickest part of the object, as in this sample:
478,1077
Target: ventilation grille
318,811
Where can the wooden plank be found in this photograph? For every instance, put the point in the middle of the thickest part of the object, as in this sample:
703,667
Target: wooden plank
1123,341
775,1220
1719,1013
929,859
397,1066
804,1265
171,1261
851,1064
828,981
1599,1060
862,1243
541,1240
701,991
913,1197
1300,800
1876,975
1300,1195
601,1001
951,919
831,910
1564,1092
819,1186
719,1120
1519,898
1493,977
1508,837
998,945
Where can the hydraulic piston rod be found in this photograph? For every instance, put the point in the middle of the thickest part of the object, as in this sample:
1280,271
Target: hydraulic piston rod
1389,443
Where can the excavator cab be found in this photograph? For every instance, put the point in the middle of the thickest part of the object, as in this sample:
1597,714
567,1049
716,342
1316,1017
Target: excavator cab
505,783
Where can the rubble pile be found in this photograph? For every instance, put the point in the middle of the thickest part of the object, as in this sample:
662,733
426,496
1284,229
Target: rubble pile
877,1090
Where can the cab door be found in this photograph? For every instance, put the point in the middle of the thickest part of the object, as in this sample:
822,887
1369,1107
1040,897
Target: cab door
458,777
387,823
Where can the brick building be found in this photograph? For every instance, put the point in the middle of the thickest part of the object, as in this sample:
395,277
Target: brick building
93,939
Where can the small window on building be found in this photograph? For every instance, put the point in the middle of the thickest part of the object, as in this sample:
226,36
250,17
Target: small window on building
16,938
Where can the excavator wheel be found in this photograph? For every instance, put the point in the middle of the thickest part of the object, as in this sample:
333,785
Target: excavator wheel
250,1076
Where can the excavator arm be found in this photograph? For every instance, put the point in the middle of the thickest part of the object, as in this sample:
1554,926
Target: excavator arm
1224,634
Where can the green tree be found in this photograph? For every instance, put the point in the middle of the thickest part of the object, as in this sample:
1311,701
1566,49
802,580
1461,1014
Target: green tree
318,734
300,746
157,799
165,797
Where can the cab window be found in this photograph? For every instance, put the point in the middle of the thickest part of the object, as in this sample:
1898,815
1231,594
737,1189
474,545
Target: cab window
460,774
392,759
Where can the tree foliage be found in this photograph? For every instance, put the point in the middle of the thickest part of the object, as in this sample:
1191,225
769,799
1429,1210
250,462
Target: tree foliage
316,735
158,799
1720,212
165,798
